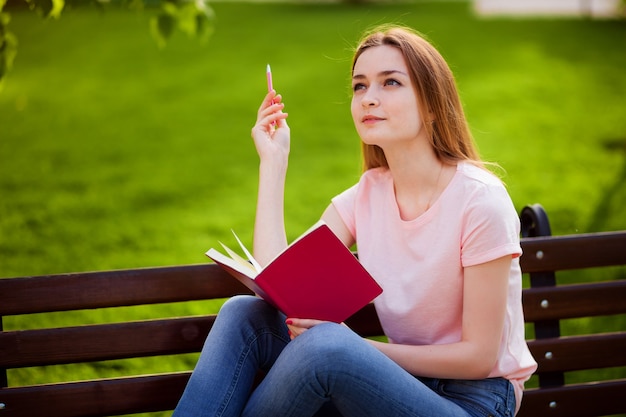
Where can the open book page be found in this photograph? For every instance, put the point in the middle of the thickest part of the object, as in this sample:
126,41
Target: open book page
249,267
234,261
253,261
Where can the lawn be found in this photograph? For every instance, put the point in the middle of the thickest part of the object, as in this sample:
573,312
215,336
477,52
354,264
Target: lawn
117,154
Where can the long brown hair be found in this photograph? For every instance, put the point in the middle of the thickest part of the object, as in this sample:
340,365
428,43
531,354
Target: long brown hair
436,93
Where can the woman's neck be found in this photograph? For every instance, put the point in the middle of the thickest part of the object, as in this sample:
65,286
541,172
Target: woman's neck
419,178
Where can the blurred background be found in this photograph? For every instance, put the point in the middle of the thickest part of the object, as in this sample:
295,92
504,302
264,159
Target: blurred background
125,138
117,153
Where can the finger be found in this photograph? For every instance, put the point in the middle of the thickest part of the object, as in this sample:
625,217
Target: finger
270,110
303,323
295,331
267,124
270,98
274,120
279,120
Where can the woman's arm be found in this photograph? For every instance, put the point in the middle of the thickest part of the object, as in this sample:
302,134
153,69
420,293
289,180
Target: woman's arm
271,138
484,308
334,221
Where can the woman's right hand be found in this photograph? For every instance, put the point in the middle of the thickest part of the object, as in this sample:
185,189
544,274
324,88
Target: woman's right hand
271,133
271,138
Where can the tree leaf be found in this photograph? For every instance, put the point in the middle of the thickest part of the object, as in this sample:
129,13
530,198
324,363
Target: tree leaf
162,26
196,19
166,24
47,8
8,47
44,6
205,24
57,8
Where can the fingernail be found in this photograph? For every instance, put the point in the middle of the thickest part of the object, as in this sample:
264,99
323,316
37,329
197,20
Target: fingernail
289,321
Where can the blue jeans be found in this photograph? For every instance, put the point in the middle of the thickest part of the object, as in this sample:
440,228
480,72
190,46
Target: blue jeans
328,370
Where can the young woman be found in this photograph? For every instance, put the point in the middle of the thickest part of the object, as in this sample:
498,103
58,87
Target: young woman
433,226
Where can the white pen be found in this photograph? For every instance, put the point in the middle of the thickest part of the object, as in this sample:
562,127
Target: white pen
268,72
270,86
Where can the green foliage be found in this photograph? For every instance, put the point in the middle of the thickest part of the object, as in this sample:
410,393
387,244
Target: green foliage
8,45
193,17
47,8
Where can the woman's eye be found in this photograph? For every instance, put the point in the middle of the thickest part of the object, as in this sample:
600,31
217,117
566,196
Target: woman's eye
358,87
391,81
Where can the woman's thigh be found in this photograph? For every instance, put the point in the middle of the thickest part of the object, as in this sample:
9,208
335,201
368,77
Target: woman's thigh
331,364
492,397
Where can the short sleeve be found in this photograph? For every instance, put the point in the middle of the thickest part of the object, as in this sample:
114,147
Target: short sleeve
491,227
345,204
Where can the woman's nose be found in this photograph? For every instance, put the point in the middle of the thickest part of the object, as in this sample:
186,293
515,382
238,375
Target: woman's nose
369,99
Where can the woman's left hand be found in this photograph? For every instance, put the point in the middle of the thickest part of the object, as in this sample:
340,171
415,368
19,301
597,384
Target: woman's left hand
299,326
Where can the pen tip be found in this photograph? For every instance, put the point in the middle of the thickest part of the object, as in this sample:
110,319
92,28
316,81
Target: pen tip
268,68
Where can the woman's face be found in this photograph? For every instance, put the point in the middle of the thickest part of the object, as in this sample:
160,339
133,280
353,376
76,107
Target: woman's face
384,103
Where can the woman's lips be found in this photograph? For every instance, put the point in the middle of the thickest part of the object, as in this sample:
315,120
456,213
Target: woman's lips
369,119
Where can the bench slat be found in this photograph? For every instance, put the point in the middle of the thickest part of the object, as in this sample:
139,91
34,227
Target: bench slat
572,301
365,322
577,353
116,288
126,340
103,342
124,396
589,250
581,400
96,398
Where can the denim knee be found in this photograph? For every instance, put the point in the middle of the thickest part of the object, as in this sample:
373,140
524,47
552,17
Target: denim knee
327,344
249,315
238,304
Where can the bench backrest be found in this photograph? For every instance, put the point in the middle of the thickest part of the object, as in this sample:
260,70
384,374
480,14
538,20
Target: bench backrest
101,342
544,304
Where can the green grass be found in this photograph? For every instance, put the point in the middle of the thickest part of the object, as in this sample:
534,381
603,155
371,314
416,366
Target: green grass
115,154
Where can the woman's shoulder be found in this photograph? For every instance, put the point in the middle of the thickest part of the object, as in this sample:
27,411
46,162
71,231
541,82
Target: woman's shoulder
485,195
376,174
478,174
373,184
375,178
370,183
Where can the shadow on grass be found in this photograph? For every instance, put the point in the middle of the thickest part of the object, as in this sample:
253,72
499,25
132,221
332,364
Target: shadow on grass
609,211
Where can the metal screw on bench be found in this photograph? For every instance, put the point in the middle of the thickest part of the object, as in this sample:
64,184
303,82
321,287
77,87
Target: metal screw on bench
2,406
548,355
552,404
544,304
539,254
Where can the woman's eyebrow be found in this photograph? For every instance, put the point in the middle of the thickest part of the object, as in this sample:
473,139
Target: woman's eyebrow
380,74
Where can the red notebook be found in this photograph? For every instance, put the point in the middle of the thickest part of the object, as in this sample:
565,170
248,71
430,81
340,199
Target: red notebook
316,277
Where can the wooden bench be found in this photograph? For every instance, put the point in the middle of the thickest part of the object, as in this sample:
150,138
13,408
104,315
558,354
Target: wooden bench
546,305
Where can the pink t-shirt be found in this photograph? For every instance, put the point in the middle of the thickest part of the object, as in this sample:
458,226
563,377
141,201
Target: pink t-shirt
419,263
